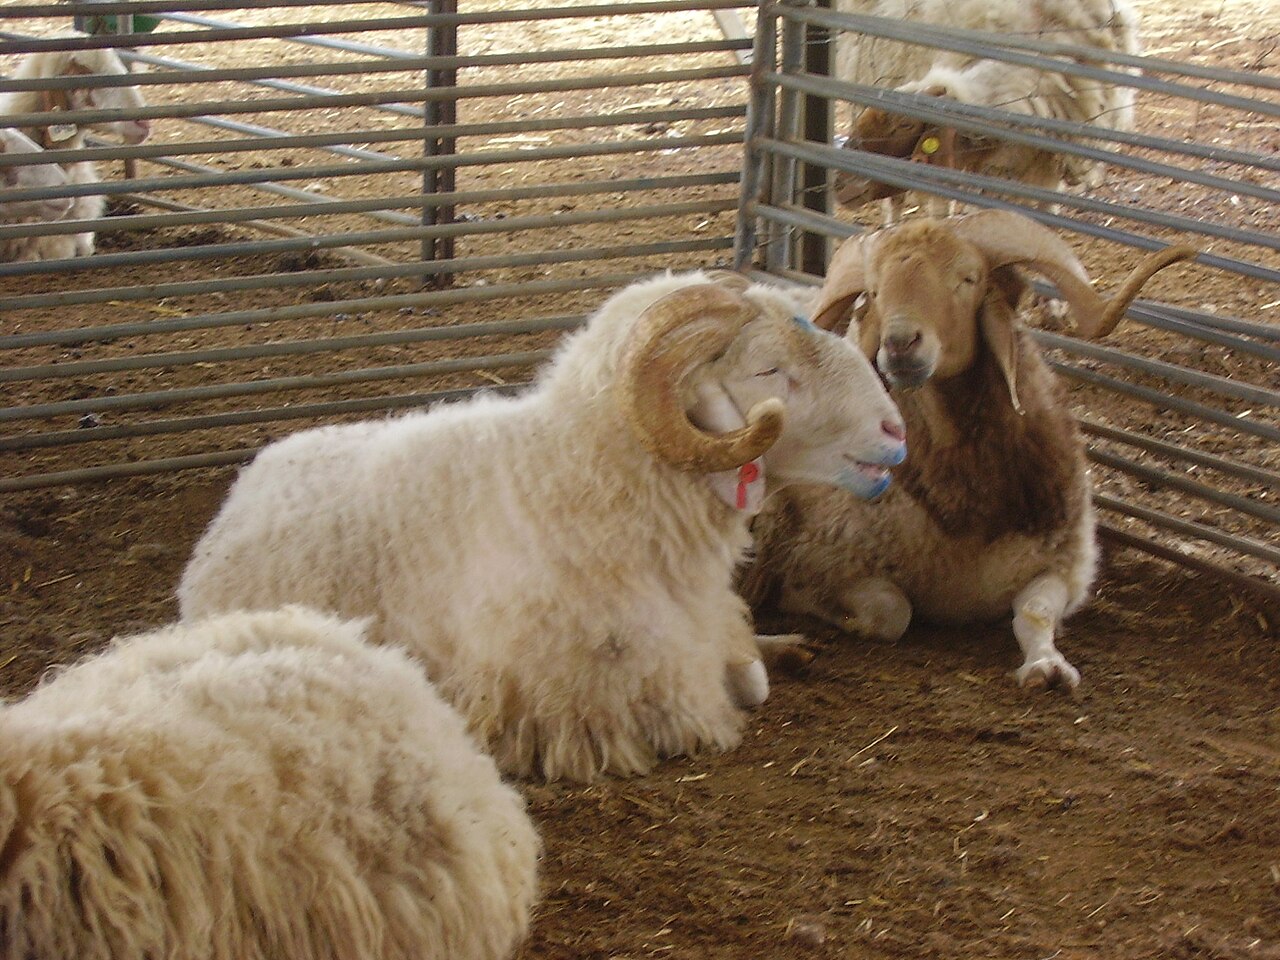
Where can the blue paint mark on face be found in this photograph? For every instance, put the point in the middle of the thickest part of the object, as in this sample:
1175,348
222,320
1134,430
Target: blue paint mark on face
862,485
804,323
896,457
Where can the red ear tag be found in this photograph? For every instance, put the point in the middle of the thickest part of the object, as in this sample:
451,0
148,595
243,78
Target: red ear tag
747,473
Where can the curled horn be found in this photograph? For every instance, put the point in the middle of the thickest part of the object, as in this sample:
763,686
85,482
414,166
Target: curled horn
1010,238
846,279
673,336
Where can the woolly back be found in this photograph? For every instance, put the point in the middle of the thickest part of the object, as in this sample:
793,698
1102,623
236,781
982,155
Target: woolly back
258,785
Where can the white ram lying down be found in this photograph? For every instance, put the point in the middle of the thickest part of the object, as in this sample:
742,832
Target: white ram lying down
563,560
1110,25
991,512
31,174
54,135
254,786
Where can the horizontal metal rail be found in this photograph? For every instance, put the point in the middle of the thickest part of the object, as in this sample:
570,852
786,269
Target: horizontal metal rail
1222,386
1223,418
239,418
334,207
1217,322
181,111
109,7
1263,590
161,398
321,277
289,348
1007,48
321,28
1157,518
1160,318
116,471
432,298
274,175
932,179
1173,451
937,179
1172,481
214,251
192,73
1009,125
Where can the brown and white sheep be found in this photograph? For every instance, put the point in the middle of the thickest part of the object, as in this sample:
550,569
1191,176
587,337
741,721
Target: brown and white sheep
1109,25
991,511
55,135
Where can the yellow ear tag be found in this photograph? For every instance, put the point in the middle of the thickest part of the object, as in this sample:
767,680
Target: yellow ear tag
930,145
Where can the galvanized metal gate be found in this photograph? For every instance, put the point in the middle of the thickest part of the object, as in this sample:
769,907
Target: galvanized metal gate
1182,406
410,200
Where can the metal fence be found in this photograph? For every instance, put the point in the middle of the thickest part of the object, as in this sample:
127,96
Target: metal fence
348,208
1180,406
371,205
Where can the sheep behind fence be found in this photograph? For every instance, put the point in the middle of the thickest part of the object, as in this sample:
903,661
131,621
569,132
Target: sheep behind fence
268,253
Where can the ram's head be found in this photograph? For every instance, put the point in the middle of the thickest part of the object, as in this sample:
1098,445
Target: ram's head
935,290
92,95
723,373
901,137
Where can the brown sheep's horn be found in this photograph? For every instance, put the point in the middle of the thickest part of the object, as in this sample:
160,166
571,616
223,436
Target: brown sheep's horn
846,279
673,336
1008,238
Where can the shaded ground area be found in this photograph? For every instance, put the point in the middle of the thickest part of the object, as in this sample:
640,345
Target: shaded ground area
900,801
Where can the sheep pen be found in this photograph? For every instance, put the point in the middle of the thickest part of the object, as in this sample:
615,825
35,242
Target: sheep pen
895,802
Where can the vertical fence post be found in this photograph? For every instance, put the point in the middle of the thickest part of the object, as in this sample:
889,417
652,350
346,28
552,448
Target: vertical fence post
817,128
781,251
442,41
760,119
124,25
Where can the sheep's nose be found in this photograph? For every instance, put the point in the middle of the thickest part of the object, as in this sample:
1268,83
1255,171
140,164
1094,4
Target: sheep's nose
900,344
895,431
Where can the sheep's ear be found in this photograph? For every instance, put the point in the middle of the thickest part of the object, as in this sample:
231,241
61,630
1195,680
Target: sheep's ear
999,326
80,64
742,488
937,145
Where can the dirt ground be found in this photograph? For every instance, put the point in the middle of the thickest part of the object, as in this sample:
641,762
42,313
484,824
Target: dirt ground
892,801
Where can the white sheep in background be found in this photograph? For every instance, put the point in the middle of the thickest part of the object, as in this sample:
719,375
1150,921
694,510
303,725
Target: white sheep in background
1110,25
260,785
991,512
563,560
54,135
30,175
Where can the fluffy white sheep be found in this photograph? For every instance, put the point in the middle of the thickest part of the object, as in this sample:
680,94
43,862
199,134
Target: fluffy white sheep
30,174
1110,25
991,512
563,560
251,787
51,135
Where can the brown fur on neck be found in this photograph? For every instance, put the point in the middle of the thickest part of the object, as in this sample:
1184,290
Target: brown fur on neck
980,469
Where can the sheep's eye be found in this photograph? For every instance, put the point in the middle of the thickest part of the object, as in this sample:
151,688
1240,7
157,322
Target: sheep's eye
969,279
772,371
